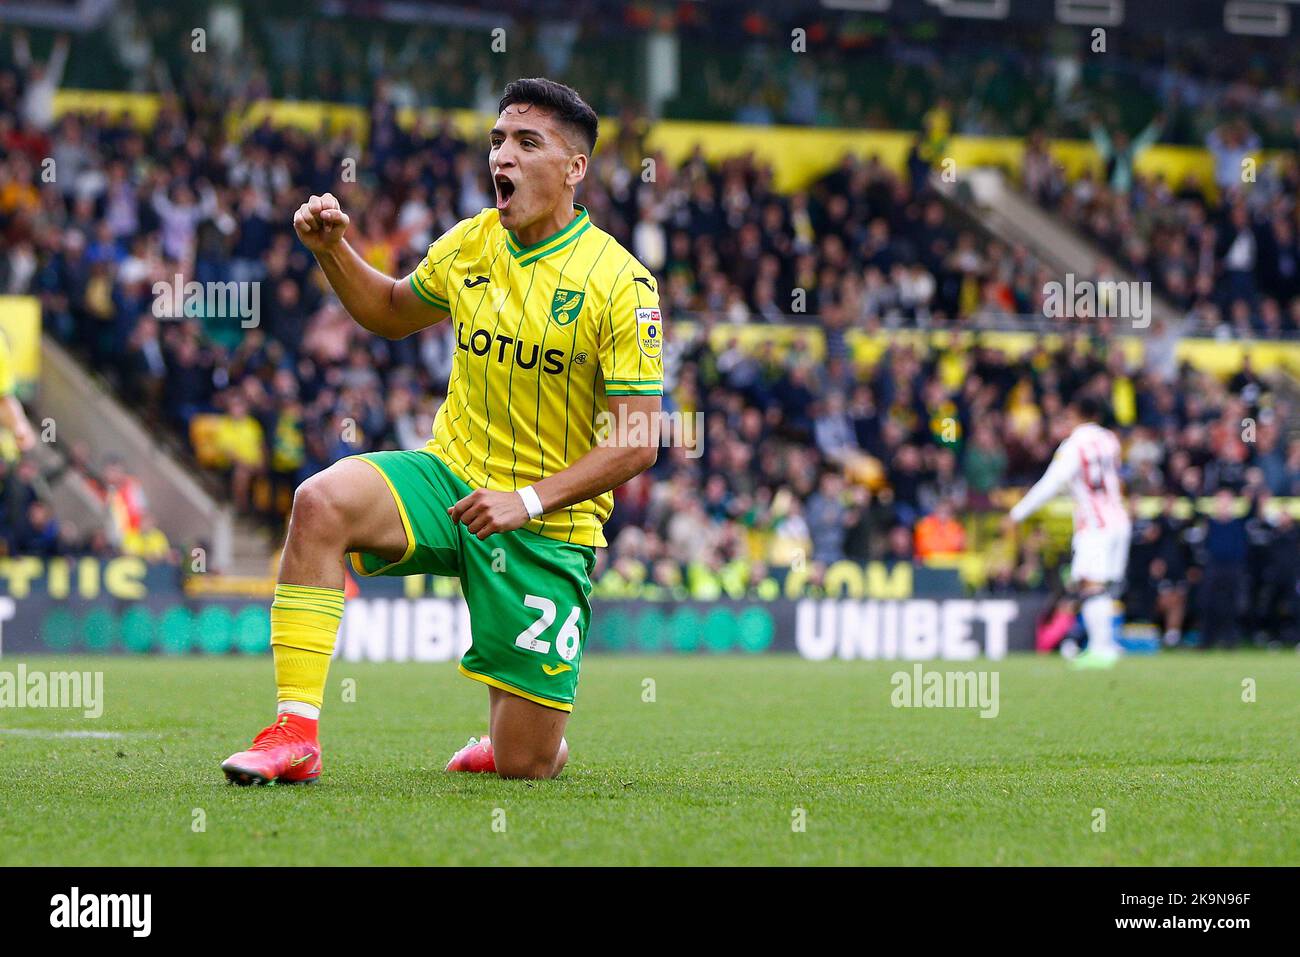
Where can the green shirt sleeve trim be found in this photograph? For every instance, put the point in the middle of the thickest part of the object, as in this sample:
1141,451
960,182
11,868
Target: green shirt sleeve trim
429,297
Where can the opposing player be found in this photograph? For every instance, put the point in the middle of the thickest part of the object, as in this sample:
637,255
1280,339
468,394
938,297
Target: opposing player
557,331
1088,461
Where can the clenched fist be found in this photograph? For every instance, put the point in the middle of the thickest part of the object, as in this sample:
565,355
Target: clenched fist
485,512
320,223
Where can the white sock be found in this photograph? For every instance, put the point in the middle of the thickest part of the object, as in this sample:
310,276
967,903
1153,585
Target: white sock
298,707
1099,622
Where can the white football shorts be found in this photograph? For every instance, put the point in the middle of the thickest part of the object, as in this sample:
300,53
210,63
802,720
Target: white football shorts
1100,555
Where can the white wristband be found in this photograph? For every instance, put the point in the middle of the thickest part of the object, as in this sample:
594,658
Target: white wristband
531,501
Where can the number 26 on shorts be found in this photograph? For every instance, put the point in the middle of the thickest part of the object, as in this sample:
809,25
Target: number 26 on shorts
567,641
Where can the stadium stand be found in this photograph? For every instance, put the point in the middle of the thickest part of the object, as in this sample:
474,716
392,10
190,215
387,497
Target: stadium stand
833,436
1230,263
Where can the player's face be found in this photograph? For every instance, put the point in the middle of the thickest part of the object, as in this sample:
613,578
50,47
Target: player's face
531,162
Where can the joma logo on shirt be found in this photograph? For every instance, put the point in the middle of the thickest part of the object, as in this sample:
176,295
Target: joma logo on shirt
480,344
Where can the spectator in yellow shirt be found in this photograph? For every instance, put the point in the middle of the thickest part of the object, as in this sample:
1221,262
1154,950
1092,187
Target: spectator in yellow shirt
241,440
148,542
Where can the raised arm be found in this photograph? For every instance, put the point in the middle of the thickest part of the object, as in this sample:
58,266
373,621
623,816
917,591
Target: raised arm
1100,138
380,304
1149,135
22,50
58,60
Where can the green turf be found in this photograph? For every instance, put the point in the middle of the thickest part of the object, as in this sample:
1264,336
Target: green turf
709,773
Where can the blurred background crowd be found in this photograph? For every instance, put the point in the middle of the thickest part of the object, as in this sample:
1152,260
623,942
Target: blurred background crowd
812,453
973,76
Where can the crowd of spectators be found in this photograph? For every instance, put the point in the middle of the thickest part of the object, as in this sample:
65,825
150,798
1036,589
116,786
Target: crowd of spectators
269,404
1000,78
1232,573
808,458
1227,253
119,520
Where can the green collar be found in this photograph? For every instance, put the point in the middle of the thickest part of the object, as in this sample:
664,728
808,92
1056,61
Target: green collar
527,255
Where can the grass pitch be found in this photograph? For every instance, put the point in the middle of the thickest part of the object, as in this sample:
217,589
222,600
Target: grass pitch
713,771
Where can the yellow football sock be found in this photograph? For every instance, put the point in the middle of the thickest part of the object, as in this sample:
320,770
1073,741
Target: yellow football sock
304,623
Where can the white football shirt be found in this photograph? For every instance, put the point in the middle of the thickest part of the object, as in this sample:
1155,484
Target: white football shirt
1088,461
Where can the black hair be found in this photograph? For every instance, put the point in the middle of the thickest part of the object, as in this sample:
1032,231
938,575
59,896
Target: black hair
1088,408
562,101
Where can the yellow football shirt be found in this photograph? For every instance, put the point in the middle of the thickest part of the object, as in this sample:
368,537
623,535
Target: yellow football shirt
544,335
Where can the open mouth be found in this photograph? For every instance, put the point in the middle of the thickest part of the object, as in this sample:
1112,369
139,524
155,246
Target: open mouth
505,190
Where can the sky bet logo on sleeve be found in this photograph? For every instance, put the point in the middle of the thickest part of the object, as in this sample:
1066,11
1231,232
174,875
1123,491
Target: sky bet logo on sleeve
649,332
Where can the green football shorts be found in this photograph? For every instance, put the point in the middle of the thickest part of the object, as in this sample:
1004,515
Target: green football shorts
527,594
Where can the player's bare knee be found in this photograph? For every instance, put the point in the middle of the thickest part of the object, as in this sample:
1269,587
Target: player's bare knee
318,508
526,766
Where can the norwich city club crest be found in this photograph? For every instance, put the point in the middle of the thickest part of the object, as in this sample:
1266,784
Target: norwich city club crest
566,305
